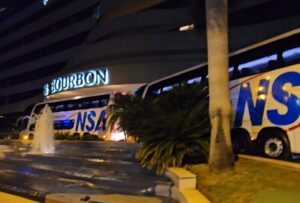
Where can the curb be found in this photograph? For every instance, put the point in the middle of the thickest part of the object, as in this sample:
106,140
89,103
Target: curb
8,198
102,198
286,164
2,153
185,183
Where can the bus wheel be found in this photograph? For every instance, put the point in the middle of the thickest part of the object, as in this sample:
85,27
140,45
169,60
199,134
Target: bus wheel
275,145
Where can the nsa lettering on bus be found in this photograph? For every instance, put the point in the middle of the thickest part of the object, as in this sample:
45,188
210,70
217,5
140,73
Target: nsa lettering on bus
275,91
86,121
78,80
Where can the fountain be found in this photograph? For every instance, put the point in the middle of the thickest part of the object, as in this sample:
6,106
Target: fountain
43,141
75,167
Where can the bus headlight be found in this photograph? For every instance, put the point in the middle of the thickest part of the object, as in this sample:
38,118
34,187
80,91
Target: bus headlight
25,137
117,136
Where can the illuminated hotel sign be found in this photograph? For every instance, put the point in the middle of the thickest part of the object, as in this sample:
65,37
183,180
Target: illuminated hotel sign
78,80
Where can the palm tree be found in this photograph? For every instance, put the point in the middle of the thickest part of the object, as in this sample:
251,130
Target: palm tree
221,155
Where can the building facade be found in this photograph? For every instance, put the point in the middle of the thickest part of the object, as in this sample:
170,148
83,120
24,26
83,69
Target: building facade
137,41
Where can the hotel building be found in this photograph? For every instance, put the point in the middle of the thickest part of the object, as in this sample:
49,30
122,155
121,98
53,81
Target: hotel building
136,41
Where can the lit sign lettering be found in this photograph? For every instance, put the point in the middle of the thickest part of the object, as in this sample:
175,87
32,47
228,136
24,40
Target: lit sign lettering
78,80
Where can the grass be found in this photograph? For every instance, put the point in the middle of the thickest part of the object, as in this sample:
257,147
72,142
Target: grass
250,181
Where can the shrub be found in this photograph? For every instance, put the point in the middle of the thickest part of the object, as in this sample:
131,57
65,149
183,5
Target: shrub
76,136
60,135
85,136
169,128
89,137
93,137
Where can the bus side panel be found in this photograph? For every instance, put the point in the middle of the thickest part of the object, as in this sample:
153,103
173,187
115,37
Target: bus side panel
93,121
269,99
240,106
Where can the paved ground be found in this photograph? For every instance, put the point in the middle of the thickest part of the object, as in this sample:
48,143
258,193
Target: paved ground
81,167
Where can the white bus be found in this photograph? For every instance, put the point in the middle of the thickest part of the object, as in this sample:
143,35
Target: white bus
78,115
265,95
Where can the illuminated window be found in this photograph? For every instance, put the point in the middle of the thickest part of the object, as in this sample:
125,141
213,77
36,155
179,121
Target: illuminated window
168,88
84,105
258,63
95,103
59,107
70,106
194,80
157,91
104,102
186,28
291,54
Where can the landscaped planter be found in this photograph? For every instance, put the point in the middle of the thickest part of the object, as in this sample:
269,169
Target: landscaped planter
250,181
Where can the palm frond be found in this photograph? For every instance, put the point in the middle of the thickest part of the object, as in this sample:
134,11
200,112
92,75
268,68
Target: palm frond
169,128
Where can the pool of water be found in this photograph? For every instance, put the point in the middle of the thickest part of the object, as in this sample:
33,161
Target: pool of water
76,167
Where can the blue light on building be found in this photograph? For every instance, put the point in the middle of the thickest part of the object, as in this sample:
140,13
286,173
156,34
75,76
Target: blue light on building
45,2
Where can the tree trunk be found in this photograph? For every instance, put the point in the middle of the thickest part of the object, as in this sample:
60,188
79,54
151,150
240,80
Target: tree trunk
221,155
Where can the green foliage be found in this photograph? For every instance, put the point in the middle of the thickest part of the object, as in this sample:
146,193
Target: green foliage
74,136
169,128
88,137
61,135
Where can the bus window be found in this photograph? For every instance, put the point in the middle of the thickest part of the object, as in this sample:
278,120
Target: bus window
22,124
96,103
59,107
194,80
247,72
156,91
71,106
51,107
139,92
104,102
84,105
167,88
28,110
256,65
63,124
153,92
32,127
38,108
291,56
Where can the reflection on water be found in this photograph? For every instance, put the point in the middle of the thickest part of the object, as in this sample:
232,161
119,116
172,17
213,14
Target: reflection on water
78,168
